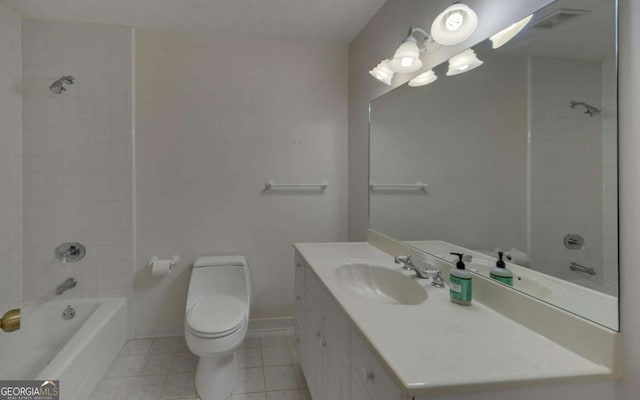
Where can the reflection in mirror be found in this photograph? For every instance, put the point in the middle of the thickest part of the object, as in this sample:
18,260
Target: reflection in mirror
518,155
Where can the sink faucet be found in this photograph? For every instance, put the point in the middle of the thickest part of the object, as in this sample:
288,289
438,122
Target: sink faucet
66,285
422,273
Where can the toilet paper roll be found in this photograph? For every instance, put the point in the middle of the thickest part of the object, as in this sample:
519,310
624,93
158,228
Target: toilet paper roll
518,257
161,267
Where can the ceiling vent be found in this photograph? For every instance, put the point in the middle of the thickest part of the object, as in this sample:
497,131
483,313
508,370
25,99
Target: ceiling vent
559,17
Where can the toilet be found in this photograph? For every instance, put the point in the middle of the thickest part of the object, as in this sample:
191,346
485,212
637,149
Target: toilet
216,320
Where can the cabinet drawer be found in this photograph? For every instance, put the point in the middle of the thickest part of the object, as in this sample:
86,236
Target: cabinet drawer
371,373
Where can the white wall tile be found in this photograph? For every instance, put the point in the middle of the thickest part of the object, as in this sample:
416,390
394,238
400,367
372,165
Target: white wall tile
11,267
567,176
77,171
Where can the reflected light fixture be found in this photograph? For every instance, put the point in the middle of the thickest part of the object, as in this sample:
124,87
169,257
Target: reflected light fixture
454,25
383,72
423,79
502,37
463,62
407,57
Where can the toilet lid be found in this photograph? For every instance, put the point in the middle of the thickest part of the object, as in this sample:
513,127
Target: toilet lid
216,314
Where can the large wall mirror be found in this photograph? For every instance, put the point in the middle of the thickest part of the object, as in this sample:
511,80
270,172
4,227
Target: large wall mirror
518,155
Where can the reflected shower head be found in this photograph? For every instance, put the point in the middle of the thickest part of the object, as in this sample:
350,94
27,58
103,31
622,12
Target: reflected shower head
590,110
57,87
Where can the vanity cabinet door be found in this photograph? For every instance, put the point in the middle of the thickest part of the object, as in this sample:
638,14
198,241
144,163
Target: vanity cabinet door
300,266
338,369
315,373
370,371
301,340
299,303
358,392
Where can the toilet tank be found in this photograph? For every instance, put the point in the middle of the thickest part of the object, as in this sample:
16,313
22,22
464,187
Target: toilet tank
225,275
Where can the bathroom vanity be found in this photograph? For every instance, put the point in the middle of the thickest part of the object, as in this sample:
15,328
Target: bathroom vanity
366,329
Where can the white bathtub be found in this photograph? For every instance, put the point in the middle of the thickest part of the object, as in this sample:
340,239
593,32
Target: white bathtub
76,351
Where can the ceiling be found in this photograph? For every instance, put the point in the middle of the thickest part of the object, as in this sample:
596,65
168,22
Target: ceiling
338,20
590,36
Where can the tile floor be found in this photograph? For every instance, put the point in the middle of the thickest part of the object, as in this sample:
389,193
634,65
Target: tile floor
164,368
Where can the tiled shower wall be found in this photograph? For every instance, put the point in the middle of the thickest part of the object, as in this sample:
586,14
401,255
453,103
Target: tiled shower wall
10,161
566,165
77,157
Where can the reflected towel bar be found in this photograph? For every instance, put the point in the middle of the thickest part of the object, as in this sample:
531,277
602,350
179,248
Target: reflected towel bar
417,185
272,185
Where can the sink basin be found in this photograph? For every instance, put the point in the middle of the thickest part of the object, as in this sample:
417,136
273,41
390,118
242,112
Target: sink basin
380,284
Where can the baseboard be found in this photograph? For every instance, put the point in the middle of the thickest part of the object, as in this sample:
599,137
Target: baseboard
260,324
152,331
268,324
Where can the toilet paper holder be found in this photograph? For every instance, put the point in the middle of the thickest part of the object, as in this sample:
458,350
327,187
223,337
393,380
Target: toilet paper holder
174,260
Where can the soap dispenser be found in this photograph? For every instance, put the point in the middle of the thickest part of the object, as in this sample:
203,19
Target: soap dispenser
460,283
500,272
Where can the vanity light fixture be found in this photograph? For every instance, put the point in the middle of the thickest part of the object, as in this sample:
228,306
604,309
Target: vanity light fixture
407,58
423,79
502,37
454,25
463,62
383,72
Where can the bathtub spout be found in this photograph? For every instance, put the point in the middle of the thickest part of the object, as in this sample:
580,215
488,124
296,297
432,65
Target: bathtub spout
66,285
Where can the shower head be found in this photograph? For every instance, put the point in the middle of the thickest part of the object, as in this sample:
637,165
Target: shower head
57,87
590,110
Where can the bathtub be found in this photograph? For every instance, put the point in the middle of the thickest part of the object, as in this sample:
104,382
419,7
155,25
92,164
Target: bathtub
77,351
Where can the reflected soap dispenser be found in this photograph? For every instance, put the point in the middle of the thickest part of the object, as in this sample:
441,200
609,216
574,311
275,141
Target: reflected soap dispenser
500,272
460,283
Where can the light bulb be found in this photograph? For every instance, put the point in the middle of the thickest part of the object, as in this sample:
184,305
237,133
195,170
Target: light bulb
406,61
383,72
407,57
454,25
463,62
454,21
424,78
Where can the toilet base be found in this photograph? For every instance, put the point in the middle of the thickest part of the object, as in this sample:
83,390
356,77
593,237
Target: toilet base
216,377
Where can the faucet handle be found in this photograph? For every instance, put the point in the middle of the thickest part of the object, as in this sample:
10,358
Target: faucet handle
407,265
402,259
437,280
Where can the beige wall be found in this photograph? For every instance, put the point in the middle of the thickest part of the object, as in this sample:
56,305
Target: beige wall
10,161
216,119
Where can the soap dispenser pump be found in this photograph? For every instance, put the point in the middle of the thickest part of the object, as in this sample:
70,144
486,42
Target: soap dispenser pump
460,283
500,272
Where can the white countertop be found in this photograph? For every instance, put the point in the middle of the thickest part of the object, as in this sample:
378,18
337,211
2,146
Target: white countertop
439,346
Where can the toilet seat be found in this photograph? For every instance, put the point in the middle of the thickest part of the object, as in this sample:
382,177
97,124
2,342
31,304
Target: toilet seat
216,316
